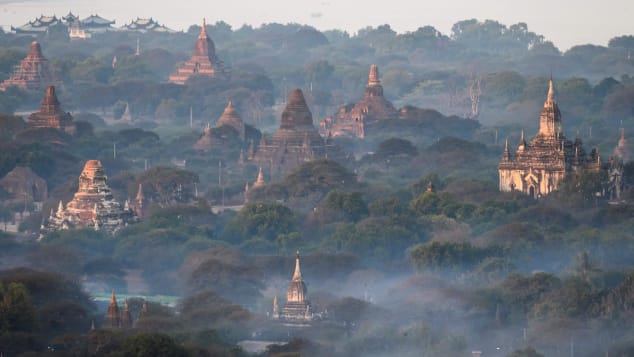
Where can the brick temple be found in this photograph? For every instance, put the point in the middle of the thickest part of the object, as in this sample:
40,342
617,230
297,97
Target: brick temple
355,119
203,61
34,71
51,114
295,142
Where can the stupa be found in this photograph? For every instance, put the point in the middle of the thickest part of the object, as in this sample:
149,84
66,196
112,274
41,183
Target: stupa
538,167
203,61
231,118
295,142
92,206
51,114
354,120
33,72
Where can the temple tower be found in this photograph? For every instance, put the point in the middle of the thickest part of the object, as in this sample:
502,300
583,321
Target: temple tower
295,142
113,319
126,316
92,205
231,118
550,116
51,114
259,182
33,72
537,168
297,306
203,61
353,120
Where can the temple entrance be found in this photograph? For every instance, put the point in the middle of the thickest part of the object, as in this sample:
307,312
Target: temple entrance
531,191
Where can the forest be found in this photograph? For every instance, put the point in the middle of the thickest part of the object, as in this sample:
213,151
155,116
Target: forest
407,247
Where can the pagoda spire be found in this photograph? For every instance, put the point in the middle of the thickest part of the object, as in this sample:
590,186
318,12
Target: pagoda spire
113,319
297,275
373,77
259,182
550,116
551,92
203,31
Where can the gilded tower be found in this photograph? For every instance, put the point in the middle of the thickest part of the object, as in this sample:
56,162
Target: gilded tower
297,306
536,168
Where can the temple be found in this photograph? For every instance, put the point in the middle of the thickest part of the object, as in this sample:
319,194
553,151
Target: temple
32,73
537,168
51,114
113,317
297,307
354,120
96,24
118,318
92,206
38,26
23,184
295,142
146,25
623,150
231,119
203,62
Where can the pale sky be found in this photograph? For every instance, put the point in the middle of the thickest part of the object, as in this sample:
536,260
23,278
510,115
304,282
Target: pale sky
565,22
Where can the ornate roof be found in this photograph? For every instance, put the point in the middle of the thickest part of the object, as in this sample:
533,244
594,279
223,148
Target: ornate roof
145,25
96,20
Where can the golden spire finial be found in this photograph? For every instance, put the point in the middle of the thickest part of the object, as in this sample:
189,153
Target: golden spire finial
297,275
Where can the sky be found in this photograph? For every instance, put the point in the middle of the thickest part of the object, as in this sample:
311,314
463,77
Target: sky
565,22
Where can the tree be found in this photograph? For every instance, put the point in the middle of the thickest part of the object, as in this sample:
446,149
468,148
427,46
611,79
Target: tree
262,219
16,308
152,345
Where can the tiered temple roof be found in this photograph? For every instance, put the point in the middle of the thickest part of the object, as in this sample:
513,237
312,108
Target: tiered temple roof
203,61
51,114
32,73
538,167
146,25
37,26
296,141
92,206
353,121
